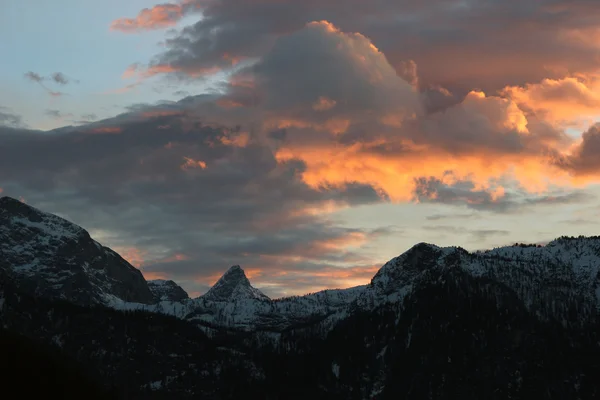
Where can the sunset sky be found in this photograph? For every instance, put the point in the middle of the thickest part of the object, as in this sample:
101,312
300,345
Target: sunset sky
308,141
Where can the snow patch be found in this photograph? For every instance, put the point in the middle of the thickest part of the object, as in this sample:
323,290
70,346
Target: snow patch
335,370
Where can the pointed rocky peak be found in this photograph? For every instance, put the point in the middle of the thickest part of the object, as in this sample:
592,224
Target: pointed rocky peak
233,286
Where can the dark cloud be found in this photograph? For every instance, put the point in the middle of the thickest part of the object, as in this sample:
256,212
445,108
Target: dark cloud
433,190
9,119
560,198
60,78
485,45
340,84
231,204
57,77
34,77
585,160
312,120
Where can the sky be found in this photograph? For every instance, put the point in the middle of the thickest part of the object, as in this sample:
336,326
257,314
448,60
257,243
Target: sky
307,141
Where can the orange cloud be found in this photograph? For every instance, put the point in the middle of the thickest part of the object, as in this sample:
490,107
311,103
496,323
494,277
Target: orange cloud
240,139
124,89
158,17
484,139
155,70
132,255
352,239
365,124
574,100
323,104
174,258
153,275
131,71
190,163
228,103
141,73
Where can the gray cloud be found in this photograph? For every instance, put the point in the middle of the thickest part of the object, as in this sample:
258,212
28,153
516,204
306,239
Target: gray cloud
70,117
438,217
135,181
476,234
57,77
197,185
58,114
60,78
433,190
9,119
585,160
481,42
86,118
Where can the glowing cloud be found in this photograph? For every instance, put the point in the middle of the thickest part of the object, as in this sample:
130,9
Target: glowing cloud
158,17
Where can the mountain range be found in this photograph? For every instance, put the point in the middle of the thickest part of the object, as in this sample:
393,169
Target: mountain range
433,323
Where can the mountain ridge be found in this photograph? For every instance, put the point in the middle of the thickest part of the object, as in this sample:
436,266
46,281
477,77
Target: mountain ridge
432,322
565,267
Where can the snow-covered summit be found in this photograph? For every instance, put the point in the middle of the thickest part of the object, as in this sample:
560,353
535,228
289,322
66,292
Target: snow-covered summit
51,257
31,220
234,286
401,270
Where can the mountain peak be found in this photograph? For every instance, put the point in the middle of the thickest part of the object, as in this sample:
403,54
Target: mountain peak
167,290
18,216
233,285
14,206
235,270
401,270
56,258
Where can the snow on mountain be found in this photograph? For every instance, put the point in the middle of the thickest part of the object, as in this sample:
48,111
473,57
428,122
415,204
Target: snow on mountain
233,302
167,290
548,280
51,257
233,286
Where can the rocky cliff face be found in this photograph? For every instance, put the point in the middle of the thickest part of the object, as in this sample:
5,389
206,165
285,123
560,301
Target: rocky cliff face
55,258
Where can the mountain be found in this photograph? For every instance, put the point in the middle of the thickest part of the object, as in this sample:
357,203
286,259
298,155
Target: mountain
55,258
167,290
515,322
234,286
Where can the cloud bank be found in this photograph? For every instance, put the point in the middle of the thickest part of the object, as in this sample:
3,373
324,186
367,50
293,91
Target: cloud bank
325,107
